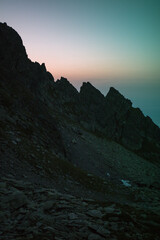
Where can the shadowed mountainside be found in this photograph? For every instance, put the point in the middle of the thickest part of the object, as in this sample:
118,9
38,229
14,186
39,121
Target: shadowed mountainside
64,154
112,116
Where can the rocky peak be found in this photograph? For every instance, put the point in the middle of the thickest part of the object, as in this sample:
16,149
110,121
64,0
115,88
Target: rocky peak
13,53
64,94
117,108
16,67
112,90
117,98
66,87
64,80
90,94
88,87
43,66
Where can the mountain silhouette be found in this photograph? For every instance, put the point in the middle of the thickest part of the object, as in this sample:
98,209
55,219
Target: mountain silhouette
73,165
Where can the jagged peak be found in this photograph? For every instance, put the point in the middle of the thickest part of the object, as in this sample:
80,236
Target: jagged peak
43,66
89,95
10,33
88,87
113,91
65,85
13,53
86,84
3,24
64,79
115,94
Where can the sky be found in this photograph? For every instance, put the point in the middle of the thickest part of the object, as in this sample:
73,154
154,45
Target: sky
107,42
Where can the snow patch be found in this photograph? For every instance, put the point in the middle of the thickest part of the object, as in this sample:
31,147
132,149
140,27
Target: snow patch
108,174
126,183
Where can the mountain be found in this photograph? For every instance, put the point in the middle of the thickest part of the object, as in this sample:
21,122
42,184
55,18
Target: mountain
73,165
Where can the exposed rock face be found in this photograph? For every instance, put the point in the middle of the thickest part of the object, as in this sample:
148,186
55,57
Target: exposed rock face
116,110
65,92
65,88
16,66
112,116
23,92
13,53
90,95
92,105
128,125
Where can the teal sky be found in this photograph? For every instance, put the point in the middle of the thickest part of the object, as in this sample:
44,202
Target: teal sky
107,42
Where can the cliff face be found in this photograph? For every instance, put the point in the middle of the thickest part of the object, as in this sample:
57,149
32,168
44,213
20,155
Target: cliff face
27,88
116,119
13,53
23,97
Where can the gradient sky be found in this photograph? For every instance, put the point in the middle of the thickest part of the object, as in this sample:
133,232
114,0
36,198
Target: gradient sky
107,42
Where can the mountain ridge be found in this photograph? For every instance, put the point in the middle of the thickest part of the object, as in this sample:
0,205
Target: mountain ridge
112,116
65,157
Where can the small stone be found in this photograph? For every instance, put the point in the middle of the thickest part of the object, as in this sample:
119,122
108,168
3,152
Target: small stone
72,216
109,209
95,213
47,205
48,229
17,199
18,140
90,175
74,141
93,236
99,229
84,204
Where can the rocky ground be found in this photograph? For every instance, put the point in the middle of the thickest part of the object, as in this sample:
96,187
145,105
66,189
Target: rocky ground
29,212
106,158
45,196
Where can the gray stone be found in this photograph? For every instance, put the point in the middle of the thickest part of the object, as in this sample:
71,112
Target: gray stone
72,216
93,236
109,209
95,213
99,229
17,199
74,141
47,205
